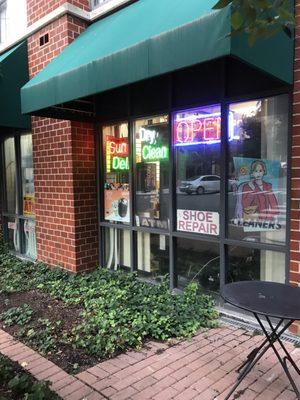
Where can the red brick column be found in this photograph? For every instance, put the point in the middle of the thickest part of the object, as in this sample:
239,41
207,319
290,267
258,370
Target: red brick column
64,162
295,198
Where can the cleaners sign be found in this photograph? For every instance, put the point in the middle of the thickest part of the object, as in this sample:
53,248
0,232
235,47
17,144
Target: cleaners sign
194,221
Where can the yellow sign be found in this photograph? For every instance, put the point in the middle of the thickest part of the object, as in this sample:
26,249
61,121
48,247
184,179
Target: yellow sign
28,205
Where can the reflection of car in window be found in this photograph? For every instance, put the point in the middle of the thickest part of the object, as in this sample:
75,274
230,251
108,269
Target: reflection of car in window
203,184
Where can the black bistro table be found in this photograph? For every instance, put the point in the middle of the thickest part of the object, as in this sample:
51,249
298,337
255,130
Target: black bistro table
266,301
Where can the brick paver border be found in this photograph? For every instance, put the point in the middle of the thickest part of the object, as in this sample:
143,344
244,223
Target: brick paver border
64,384
202,368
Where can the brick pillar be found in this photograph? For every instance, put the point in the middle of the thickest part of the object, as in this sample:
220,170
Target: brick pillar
295,198
64,162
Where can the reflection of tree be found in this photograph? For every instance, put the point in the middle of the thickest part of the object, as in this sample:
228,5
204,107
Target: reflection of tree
204,267
249,144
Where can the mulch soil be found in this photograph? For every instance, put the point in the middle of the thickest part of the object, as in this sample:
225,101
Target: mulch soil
46,307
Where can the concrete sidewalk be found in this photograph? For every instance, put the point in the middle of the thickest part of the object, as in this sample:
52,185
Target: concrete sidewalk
202,368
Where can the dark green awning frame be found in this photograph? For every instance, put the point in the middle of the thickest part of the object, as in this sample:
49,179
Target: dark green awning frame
13,75
147,39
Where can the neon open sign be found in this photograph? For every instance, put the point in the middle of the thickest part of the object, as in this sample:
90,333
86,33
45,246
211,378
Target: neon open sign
193,127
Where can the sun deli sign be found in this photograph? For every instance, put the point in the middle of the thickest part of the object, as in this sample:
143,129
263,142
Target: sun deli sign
117,150
198,221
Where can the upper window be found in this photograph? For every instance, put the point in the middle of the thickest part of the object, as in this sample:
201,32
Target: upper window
258,170
197,141
3,6
152,172
106,5
116,173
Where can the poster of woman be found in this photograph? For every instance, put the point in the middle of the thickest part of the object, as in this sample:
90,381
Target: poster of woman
257,205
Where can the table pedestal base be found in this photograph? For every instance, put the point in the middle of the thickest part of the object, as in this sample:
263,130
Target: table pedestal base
257,353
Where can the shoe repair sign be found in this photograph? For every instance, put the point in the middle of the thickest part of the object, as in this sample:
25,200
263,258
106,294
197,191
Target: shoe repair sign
207,222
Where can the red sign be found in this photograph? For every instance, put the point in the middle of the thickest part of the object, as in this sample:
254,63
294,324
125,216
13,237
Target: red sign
117,146
197,130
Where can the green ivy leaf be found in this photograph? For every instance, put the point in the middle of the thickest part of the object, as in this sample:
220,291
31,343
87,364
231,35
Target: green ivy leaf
236,20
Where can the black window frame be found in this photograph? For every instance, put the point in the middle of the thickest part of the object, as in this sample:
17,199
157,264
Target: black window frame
223,239
18,216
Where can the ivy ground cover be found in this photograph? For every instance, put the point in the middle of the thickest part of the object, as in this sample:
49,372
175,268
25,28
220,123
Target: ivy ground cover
78,320
17,384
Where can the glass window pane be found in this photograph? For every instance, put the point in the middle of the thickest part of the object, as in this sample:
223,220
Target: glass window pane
30,238
12,225
197,141
153,255
258,132
152,172
116,174
27,175
251,264
198,262
117,249
10,175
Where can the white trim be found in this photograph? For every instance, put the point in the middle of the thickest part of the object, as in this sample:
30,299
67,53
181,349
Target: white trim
105,8
66,8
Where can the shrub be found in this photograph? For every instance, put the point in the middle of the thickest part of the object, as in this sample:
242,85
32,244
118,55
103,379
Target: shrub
17,315
119,310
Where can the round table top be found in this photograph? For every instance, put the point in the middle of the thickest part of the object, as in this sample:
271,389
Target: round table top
269,298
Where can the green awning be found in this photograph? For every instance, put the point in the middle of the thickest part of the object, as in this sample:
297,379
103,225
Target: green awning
147,39
13,75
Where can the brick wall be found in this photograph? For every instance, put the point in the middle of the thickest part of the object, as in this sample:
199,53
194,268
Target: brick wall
36,9
295,200
64,162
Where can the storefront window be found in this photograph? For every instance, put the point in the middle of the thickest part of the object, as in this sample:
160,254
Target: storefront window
247,264
13,234
258,170
197,140
27,175
10,175
152,172
116,174
153,255
252,153
117,249
30,238
19,216
198,262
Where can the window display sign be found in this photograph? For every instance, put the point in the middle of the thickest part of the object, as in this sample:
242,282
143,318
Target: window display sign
198,221
152,149
193,127
117,202
28,205
116,173
257,194
117,150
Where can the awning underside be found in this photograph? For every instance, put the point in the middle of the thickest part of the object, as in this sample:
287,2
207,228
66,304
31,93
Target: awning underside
144,40
13,75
